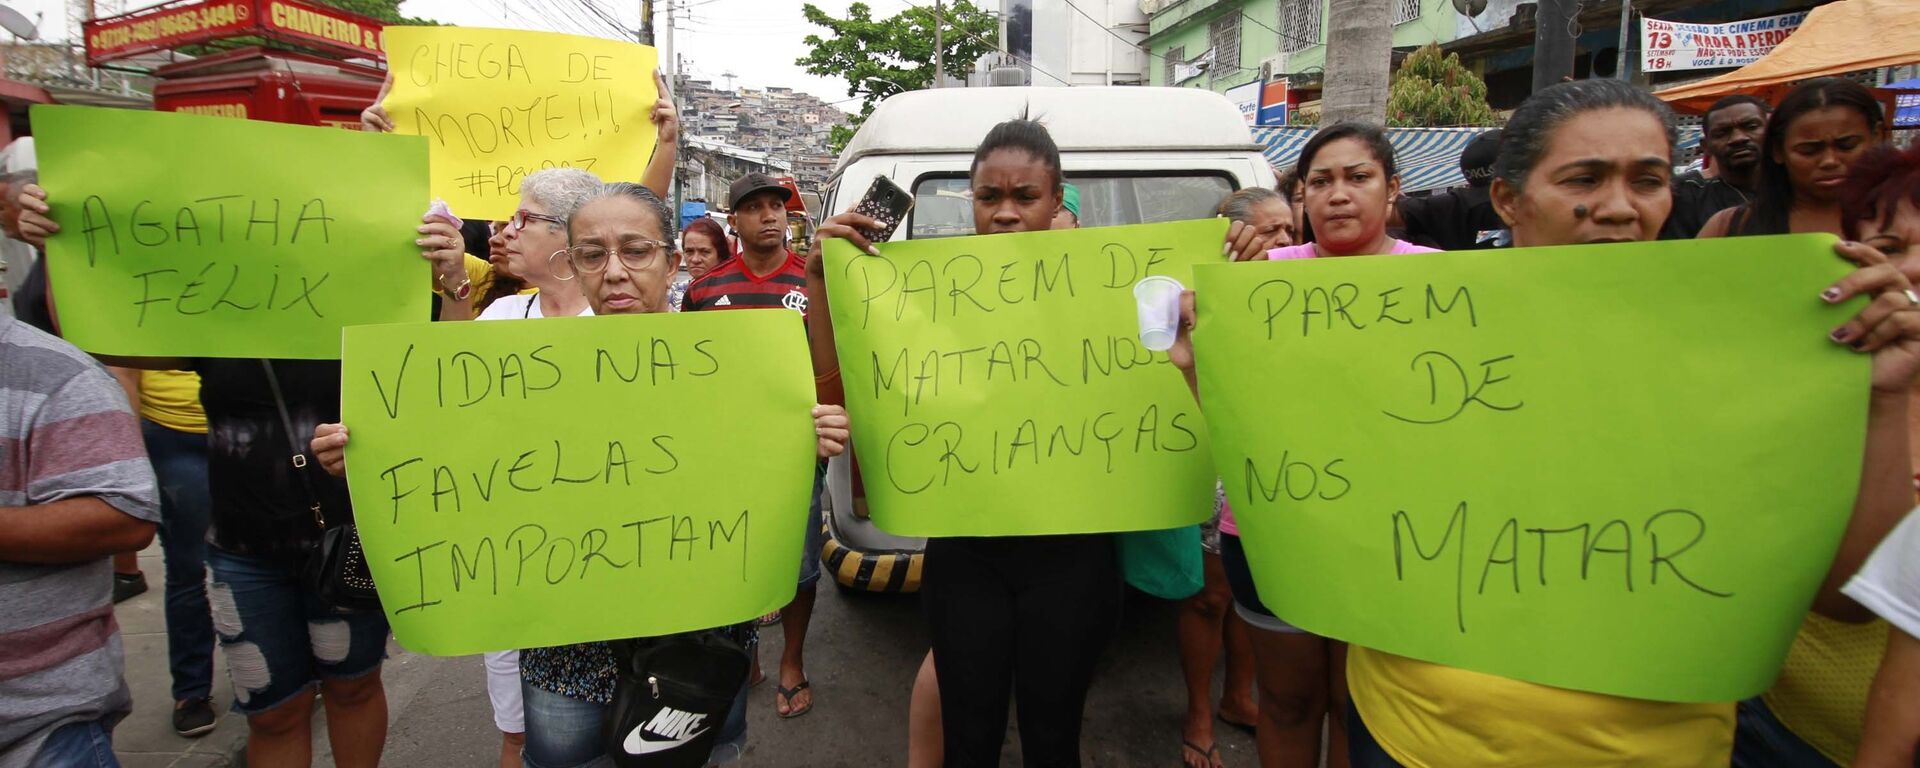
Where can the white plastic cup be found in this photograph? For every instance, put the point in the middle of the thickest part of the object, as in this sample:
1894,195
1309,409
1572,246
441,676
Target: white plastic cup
1158,301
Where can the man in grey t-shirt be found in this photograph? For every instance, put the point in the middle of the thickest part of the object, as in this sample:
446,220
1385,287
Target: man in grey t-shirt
75,488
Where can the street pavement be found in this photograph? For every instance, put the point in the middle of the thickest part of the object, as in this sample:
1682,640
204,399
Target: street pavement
862,653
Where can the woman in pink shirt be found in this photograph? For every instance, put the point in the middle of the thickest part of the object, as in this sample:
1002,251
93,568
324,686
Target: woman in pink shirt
1348,172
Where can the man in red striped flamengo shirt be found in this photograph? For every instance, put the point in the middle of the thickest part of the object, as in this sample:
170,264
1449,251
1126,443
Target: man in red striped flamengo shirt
768,276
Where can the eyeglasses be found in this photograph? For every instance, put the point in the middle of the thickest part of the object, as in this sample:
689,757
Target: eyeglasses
635,255
519,220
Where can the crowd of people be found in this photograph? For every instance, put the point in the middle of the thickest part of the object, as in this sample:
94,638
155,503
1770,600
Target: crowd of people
94,460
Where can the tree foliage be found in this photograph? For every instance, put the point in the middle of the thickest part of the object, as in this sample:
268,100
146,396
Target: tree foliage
882,57
1432,89
384,10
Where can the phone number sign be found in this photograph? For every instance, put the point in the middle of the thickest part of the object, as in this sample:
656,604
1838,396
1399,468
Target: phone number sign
1668,46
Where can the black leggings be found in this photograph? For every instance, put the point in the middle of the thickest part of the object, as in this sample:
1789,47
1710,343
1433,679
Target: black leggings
1026,616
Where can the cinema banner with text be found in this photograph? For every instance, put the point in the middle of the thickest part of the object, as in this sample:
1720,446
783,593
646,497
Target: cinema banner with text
194,236
998,387
540,482
498,104
1622,468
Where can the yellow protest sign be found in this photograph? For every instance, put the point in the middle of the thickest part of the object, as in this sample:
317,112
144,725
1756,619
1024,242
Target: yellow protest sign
498,104
531,483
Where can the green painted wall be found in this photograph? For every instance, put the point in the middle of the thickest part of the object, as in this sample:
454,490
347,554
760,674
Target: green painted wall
1185,23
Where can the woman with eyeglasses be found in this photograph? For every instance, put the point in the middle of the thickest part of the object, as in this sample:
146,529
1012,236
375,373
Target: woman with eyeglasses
535,237
618,250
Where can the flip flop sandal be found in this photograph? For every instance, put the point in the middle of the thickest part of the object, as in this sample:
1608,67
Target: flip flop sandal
1212,754
769,619
787,694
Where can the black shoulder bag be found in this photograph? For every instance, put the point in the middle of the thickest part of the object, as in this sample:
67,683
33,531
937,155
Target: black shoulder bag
336,566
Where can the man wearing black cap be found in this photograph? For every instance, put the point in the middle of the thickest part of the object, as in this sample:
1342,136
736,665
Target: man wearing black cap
1459,219
766,274
769,276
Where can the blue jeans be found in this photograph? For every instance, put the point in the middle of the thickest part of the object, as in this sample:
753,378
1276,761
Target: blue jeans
1761,741
180,464
565,732
814,538
1363,751
280,640
77,745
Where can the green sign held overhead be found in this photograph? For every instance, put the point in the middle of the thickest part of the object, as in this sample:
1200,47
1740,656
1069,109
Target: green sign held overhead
998,387
1622,469
522,484
193,236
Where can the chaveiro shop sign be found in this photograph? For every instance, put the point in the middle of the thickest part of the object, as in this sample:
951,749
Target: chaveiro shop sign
1670,45
175,24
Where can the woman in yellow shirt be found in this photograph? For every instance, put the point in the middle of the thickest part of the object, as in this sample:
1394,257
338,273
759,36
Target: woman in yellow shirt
1606,177
174,428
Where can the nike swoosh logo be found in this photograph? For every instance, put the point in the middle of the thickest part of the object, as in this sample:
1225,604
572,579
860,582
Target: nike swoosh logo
638,744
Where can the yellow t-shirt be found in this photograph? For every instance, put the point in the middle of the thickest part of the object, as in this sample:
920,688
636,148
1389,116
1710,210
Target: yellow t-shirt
1432,716
172,399
1822,692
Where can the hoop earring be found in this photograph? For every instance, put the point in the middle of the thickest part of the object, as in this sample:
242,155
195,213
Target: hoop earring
556,273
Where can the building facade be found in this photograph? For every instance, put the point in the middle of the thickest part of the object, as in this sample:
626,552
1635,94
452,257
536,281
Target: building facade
1224,44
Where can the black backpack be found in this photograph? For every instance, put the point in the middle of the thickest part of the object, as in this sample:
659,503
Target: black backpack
672,696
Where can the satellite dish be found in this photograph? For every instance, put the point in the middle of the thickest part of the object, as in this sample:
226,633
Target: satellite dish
1470,8
17,24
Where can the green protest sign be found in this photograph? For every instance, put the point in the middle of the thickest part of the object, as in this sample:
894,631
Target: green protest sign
997,384
1621,469
193,236
532,483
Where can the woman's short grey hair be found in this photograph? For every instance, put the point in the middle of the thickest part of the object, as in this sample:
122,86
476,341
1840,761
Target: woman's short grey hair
1239,205
559,190
1524,140
631,191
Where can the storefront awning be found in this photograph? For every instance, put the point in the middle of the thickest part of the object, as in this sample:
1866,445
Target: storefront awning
1847,36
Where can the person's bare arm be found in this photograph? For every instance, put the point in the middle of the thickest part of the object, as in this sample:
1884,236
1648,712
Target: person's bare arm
846,226
69,531
666,145
1718,225
1889,329
1891,737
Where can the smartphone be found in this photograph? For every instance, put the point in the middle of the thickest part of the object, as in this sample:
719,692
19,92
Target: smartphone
887,203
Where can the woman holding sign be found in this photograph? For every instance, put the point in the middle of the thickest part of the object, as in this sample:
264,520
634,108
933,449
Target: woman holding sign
1605,178
620,253
1021,617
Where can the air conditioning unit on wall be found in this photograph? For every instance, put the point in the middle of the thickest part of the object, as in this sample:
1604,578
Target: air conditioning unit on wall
1273,66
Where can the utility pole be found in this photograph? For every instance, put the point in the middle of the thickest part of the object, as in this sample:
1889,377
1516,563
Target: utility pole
1621,70
939,47
646,22
1553,42
667,62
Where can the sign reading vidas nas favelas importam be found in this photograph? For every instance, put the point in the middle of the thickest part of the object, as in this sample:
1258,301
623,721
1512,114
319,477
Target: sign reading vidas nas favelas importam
530,483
